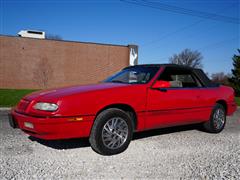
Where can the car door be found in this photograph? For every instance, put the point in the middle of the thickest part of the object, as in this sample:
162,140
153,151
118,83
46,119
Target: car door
207,95
174,105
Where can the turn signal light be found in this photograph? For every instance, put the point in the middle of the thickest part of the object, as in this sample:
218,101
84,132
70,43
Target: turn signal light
76,119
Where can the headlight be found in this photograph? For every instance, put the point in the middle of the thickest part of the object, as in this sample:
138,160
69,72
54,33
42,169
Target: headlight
46,106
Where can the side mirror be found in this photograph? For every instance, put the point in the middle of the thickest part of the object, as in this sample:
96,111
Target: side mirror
161,84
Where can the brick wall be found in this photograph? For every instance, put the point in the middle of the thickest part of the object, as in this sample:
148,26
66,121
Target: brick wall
36,64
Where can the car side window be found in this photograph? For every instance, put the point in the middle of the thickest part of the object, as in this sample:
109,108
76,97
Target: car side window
180,78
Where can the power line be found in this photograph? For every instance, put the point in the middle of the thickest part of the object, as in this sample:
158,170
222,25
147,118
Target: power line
180,10
173,32
209,16
216,44
181,29
209,46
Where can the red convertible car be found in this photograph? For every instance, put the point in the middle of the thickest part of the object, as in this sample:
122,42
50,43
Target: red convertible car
137,98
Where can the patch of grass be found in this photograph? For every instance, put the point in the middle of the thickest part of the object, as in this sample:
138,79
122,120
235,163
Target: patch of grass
10,97
237,100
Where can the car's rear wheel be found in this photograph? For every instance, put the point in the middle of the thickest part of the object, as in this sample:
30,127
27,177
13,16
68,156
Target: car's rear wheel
217,119
111,132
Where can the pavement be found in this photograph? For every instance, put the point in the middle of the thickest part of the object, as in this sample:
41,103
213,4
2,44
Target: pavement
183,152
5,108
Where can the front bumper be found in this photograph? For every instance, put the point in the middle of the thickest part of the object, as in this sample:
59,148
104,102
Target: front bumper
51,128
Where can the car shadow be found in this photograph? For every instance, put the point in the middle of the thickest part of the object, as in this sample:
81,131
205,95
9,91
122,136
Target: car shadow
168,130
83,142
63,144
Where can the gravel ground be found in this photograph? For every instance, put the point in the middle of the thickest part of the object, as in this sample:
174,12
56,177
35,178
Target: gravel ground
172,153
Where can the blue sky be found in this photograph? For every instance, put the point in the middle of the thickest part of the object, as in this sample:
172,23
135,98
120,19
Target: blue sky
158,33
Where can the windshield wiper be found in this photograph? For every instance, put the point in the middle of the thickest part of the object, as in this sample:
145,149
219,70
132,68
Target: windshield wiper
117,81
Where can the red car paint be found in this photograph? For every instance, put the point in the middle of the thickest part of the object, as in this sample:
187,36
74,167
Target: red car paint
79,106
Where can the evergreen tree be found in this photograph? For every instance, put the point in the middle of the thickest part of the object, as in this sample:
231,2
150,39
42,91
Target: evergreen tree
235,79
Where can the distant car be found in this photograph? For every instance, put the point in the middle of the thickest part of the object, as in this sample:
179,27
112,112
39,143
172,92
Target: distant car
138,98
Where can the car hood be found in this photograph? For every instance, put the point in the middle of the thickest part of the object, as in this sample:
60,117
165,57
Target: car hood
68,91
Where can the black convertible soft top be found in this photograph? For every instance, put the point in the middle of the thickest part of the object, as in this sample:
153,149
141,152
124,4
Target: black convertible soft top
207,82
198,72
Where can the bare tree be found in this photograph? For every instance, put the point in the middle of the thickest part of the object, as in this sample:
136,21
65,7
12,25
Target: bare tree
42,73
188,58
221,78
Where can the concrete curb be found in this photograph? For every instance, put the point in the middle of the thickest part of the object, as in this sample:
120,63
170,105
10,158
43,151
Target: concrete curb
5,108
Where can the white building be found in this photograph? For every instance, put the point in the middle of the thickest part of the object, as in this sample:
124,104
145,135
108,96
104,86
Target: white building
32,34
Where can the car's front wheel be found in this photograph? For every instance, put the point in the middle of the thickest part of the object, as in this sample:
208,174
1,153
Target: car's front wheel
217,119
111,132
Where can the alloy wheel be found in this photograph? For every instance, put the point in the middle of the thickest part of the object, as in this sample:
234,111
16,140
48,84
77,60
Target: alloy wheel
114,133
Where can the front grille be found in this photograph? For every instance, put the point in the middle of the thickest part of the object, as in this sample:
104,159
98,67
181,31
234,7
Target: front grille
22,105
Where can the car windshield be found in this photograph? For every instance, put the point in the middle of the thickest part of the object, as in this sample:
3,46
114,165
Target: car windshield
134,75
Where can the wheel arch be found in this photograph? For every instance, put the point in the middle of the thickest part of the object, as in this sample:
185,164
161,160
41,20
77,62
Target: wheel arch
125,107
224,104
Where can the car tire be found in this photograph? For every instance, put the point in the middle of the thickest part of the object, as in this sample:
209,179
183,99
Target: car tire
217,119
111,132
